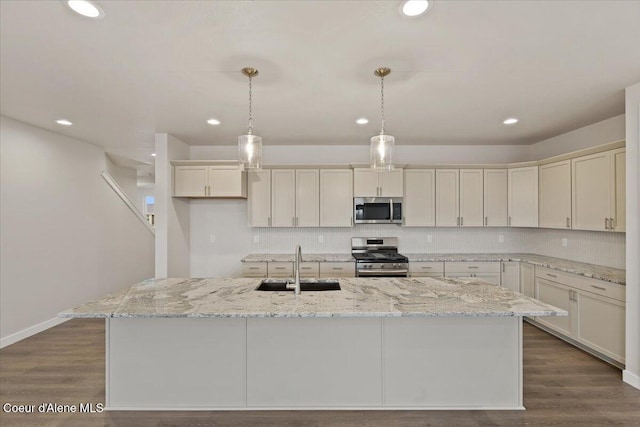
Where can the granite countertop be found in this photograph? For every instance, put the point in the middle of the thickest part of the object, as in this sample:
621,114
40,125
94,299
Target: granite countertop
608,274
359,297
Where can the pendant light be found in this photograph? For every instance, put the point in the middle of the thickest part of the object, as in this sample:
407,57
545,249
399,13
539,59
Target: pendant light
381,152
250,145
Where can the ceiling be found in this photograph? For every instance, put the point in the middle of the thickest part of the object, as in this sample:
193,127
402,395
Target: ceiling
457,72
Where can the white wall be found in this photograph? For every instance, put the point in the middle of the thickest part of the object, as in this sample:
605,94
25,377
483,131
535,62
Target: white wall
127,178
172,214
66,236
632,371
609,130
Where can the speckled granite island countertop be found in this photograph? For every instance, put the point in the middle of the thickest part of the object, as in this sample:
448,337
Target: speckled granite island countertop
608,274
359,297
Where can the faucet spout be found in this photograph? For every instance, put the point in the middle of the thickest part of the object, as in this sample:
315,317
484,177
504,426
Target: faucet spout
297,259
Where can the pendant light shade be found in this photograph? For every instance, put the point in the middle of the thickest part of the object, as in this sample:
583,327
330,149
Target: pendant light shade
381,150
250,145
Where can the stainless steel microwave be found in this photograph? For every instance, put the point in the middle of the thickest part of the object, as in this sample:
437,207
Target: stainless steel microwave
377,210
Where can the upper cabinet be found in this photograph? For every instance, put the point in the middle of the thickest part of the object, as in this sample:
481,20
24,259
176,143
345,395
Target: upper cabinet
523,197
555,195
372,183
598,191
295,198
336,197
471,198
495,198
209,179
419,203
259,198
447,197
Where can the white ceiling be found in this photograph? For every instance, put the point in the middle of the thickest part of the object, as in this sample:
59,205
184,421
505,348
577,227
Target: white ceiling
457,72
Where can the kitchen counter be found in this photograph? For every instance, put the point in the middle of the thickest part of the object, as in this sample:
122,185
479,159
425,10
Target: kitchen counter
359,297
608,274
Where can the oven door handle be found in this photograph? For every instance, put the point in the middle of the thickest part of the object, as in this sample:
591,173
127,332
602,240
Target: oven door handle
390,210
381,272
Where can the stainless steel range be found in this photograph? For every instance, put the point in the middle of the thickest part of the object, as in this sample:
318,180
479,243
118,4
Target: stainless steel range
378,257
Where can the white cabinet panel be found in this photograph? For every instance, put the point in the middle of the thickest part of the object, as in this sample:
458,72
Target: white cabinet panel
336,197
426,269
280,269
591,191
471,198
510,277
259,198
560,296
419,198
228,181
283,197
527,280
309,269
307,198
523,197
254,269
555,195
190,181
447,197
337,269
365,183
391,183
620,187
495,198
601,324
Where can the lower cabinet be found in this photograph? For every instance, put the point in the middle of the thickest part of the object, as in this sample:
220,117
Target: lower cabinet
337,269
254,269
308,269
527,279
426,269
489,271
510,277
596,311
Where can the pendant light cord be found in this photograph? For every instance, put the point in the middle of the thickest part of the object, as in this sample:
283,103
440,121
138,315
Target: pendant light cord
382,105
250,123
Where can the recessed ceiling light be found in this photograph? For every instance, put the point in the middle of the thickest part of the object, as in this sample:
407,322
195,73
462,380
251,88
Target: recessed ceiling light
86,8
153,154
415,7
213,122
64,122
362,121
510,121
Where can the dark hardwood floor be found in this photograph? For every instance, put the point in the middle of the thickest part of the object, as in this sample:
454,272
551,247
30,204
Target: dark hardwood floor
563,386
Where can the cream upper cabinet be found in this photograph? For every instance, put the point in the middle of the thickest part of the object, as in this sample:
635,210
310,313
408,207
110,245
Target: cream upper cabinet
307,198
555,195
283,197
419,203
523,197
598,191
336,197
471,198
495,198
224,181
373,183
447,197
259,198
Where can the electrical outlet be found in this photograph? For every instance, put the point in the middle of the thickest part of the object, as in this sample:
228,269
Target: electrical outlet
256,239
320,239
429,238
500,238
565,242
212,238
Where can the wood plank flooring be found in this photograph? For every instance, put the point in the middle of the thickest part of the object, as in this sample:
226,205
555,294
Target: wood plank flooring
563,386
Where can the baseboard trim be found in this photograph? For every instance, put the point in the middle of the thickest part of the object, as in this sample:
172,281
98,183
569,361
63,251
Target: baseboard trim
630,378
31,330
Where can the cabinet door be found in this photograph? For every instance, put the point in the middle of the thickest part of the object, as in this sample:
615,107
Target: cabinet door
390,183
447,197
227,182
365,183
591,191
495,197
601,324
510,278
307,198
336,198
555,195
523,197
620,187
280,269
560,296
527,280
190,181
259,198
419,203
254,269
493,278
283,197
309,269
337,269
471,198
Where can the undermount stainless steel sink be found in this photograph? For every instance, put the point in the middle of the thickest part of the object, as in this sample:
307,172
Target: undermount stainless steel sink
309,285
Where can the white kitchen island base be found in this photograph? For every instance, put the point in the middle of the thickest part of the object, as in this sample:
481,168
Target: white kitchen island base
249,363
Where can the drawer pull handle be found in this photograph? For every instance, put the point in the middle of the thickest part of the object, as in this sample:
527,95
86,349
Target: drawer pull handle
599,287
337,268
306,268
473,266
425,268
551,275
279,268
254,268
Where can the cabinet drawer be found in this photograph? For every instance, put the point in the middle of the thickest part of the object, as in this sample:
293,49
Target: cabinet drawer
254,269
472,267
337,269
587,284
280,269
309,269
434,269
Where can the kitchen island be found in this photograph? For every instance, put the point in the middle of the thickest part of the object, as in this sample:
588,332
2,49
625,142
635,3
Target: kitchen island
378,343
